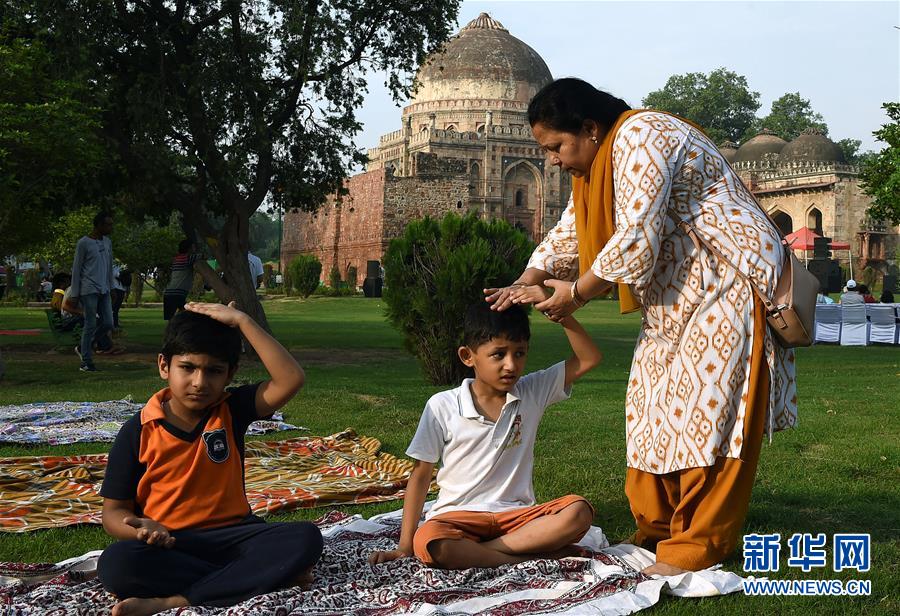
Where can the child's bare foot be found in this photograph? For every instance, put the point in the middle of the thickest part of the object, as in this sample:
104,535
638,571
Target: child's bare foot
137,606
664,569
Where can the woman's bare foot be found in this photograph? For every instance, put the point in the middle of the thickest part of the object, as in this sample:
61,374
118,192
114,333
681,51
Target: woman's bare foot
664,569
137,606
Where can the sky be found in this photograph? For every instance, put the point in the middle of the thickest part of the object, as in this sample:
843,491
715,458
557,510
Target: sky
844,57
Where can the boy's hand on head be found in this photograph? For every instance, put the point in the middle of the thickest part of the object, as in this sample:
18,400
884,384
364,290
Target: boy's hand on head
227,314
150,531
376,558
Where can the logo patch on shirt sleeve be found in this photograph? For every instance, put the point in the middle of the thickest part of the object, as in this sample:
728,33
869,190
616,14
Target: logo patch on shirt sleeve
216,445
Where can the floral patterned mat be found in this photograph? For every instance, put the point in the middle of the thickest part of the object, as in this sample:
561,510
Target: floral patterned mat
54,491
607,582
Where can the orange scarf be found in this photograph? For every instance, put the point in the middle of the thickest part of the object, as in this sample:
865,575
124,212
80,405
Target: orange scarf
595,210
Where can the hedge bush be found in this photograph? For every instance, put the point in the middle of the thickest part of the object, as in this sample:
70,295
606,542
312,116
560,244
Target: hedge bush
436,269
303,275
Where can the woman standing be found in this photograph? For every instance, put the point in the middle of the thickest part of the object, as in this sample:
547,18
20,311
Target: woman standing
707,380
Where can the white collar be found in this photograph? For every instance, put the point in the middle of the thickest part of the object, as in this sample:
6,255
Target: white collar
467,404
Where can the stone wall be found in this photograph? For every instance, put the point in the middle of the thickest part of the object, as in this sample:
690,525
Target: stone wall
345,231
441,185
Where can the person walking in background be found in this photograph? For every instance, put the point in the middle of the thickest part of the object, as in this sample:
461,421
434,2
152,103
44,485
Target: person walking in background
256,269
92,281
181,279
117,294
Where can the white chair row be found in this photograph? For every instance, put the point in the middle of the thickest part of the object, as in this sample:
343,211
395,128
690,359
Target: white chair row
858,325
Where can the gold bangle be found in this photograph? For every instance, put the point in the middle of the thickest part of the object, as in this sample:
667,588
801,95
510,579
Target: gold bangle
576,297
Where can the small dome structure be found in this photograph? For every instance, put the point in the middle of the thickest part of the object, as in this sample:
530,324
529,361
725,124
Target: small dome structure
766,142
812,145
728,150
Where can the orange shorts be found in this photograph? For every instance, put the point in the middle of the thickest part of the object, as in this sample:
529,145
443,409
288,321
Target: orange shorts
483,525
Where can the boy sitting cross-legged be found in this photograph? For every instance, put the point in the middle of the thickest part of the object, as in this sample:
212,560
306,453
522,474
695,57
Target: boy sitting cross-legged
483,434
174,486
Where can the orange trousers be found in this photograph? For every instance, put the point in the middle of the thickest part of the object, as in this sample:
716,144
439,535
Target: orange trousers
693,517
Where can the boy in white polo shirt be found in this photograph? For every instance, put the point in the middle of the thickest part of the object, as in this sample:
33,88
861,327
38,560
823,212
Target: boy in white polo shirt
483,433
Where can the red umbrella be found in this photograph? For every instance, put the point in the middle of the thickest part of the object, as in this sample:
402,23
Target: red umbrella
803,239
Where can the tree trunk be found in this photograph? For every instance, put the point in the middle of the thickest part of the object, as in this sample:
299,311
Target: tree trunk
138,290
231,251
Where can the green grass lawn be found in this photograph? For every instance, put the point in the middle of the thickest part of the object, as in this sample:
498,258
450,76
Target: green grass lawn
838,472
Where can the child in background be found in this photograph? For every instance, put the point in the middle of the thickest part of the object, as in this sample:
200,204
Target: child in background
174,487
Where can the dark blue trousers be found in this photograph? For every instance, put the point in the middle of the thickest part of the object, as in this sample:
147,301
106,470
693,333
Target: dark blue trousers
217,566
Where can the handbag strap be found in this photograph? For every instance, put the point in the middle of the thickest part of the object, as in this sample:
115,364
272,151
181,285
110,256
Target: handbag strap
691,231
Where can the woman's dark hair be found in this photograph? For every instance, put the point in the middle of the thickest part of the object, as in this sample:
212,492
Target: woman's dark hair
565,104
184,246
481,324
862,289
189,333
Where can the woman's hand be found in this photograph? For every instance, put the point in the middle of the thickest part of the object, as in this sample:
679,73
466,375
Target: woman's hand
560,304
500,298
531,294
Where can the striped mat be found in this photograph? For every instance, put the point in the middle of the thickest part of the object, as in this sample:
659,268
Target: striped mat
344,468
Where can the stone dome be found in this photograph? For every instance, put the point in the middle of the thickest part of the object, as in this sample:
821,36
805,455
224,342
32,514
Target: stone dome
728,150
766,142
812,145
484,61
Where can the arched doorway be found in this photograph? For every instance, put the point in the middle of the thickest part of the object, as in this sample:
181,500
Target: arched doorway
522,198
814,220
784,222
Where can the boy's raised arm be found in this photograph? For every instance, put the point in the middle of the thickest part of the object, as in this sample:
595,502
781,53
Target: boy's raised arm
413,503
585,356
286,375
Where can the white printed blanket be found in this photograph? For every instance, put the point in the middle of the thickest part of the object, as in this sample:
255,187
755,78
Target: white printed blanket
62,423
609,582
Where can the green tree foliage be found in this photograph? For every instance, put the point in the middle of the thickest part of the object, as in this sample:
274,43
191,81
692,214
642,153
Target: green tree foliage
303,275
434,271
880,175
264,236
721,102
850,150
334,278
217,106
51,153
791,115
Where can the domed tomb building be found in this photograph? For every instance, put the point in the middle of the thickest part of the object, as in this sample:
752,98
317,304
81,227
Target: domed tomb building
807,183
464,145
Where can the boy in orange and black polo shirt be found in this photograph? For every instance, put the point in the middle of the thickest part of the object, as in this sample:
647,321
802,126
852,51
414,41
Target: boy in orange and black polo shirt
174,486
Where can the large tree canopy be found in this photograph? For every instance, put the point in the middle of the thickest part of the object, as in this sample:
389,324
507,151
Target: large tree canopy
218,106
51,152
721,102
791,115
880,174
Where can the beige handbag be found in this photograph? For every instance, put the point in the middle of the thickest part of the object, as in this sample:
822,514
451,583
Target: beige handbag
791,310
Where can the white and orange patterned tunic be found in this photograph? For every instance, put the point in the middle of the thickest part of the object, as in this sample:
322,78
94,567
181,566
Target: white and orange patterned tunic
690,374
